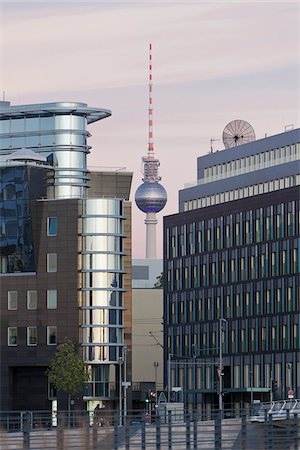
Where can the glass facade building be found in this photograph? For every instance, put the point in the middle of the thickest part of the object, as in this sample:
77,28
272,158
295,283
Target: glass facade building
62,253
233,253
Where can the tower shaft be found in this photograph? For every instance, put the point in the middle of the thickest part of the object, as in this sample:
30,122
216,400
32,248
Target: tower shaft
151,223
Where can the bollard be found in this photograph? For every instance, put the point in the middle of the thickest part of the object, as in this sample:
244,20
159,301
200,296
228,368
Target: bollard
26,430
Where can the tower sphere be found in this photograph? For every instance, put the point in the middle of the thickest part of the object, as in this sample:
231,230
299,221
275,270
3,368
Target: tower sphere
150,197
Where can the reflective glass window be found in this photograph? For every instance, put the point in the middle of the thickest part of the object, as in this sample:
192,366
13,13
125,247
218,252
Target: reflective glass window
48,139
32,124
31,335
17,125
51,298
5,143
47,123
32,299
12,336
12,300
51,226
51,262
32,141
4,126
51,335
17,142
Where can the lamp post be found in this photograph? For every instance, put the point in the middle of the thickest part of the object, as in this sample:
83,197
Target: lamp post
120,360
220,371
125,382
155,364
251,387
169,377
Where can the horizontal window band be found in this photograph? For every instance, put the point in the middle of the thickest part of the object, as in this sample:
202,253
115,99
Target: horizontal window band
104,308
104,216
104,234
101,326
102,344
106,289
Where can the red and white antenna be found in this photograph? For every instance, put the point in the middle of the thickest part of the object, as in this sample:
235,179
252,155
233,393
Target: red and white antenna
150,163
150,142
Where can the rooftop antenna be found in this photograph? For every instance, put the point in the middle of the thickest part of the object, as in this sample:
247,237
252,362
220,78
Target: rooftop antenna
211,143
3,95
289,127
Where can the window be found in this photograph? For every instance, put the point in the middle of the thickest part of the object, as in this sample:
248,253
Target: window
31,336
51,262
31,299
12,336
51,298
12,300
51,226
51,335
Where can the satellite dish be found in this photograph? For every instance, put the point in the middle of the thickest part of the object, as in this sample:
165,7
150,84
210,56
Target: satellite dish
237,132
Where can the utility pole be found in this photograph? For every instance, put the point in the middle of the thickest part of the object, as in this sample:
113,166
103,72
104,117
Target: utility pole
155,364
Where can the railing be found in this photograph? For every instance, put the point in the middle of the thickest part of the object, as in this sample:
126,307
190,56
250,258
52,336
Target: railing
279,410
142,430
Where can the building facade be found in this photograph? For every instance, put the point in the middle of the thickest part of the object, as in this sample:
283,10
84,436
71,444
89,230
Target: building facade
231,269
65,254
147,330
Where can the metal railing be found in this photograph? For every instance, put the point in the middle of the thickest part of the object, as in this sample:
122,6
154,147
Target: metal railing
144,430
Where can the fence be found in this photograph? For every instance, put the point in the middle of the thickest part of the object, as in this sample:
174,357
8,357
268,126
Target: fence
141,430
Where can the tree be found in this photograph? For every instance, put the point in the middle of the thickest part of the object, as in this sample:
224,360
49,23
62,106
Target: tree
160,281
68,372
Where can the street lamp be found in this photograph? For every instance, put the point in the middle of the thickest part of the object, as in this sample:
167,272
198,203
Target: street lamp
169,376
123,360
220,370
155,364
120,361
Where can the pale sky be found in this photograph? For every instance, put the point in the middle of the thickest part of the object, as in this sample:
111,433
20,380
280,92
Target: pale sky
213,62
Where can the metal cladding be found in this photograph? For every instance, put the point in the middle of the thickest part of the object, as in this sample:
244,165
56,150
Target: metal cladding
150,197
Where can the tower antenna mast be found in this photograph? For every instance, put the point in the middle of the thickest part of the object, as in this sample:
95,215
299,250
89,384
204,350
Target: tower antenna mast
150,118
150,163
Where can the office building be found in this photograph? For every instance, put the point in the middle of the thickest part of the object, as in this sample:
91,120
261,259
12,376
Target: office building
231,268
147,330
65,253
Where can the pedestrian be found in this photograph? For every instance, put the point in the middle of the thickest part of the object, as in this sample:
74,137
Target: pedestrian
97,418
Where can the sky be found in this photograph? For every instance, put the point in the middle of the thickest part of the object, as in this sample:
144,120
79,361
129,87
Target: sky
213,62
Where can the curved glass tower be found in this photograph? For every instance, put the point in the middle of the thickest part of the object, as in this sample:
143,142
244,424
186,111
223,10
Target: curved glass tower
61,244
58,131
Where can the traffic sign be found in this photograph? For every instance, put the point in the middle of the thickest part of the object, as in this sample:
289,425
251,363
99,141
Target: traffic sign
162,398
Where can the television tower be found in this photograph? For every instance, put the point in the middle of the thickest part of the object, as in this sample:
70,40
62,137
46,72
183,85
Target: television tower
150,196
